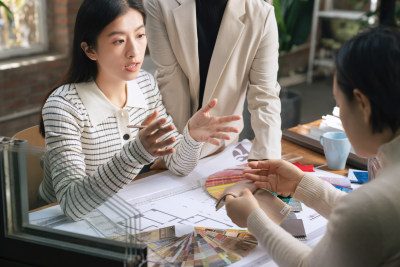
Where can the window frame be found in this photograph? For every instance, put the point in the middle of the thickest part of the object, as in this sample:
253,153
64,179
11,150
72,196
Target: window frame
42,46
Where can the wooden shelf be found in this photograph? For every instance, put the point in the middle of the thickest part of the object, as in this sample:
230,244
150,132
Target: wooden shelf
325,62
328,12
341,14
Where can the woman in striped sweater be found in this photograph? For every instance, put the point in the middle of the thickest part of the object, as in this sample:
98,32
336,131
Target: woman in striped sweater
91,153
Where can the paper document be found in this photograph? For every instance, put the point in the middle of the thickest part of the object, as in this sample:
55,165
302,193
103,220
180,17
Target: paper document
164,200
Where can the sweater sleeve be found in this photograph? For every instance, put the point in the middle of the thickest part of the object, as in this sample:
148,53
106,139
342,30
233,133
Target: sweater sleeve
318,194
353,237
187,150
77,192
278,243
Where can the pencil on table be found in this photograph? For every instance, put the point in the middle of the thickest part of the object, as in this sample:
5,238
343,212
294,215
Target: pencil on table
137,126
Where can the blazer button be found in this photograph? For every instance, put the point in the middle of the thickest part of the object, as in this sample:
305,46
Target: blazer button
126,136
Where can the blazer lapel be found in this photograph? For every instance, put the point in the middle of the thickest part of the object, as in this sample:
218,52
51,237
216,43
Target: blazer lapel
185,22
229,33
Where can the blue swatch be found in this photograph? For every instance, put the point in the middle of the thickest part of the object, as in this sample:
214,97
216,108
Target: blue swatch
362,177
344,189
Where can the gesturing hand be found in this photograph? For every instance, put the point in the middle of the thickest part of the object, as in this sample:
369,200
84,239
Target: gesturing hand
149,135
206,128
275,174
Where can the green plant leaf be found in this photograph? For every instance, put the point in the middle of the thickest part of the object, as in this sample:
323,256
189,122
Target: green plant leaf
8,12
299,22
279,17
294,21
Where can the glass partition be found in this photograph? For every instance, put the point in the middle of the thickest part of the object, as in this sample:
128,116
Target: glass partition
44,235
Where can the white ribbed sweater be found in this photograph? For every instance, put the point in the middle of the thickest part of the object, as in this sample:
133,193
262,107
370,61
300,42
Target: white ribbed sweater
363,227
87,159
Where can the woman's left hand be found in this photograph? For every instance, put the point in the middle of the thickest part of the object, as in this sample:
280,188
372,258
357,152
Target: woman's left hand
239,208
206,128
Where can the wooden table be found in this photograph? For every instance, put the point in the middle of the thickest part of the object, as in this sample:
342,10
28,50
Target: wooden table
297,135
310,157
315,156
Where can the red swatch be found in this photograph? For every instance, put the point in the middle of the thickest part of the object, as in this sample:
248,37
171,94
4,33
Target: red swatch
304,167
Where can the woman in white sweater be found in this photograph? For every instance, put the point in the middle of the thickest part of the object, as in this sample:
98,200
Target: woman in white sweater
91,152
363,227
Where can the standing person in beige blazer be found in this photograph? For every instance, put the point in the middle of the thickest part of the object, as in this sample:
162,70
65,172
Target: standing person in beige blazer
206,49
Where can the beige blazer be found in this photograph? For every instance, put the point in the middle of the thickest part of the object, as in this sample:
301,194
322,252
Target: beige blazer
245,57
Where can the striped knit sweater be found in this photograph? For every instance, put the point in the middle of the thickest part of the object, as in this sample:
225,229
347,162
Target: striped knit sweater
87,158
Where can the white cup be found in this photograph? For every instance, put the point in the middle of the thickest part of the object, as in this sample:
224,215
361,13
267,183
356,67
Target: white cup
336,148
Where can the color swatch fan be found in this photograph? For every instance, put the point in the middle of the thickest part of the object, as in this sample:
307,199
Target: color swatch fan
202,247
217,182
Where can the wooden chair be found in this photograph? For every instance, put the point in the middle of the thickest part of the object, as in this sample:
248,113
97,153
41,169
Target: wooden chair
33,169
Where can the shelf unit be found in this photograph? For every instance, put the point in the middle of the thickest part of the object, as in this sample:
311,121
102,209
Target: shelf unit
328,13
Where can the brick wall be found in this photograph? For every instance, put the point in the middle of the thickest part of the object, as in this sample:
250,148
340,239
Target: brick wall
23,89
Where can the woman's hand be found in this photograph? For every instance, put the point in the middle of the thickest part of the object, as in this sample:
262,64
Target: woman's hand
206,128
239,209
275,174
154,130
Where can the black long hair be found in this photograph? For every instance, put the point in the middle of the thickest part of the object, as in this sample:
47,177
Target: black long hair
370,62
93,16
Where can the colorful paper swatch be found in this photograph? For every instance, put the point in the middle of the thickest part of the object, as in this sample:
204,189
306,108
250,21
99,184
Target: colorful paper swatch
358,176
202,247
304,167
217,182
343,188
